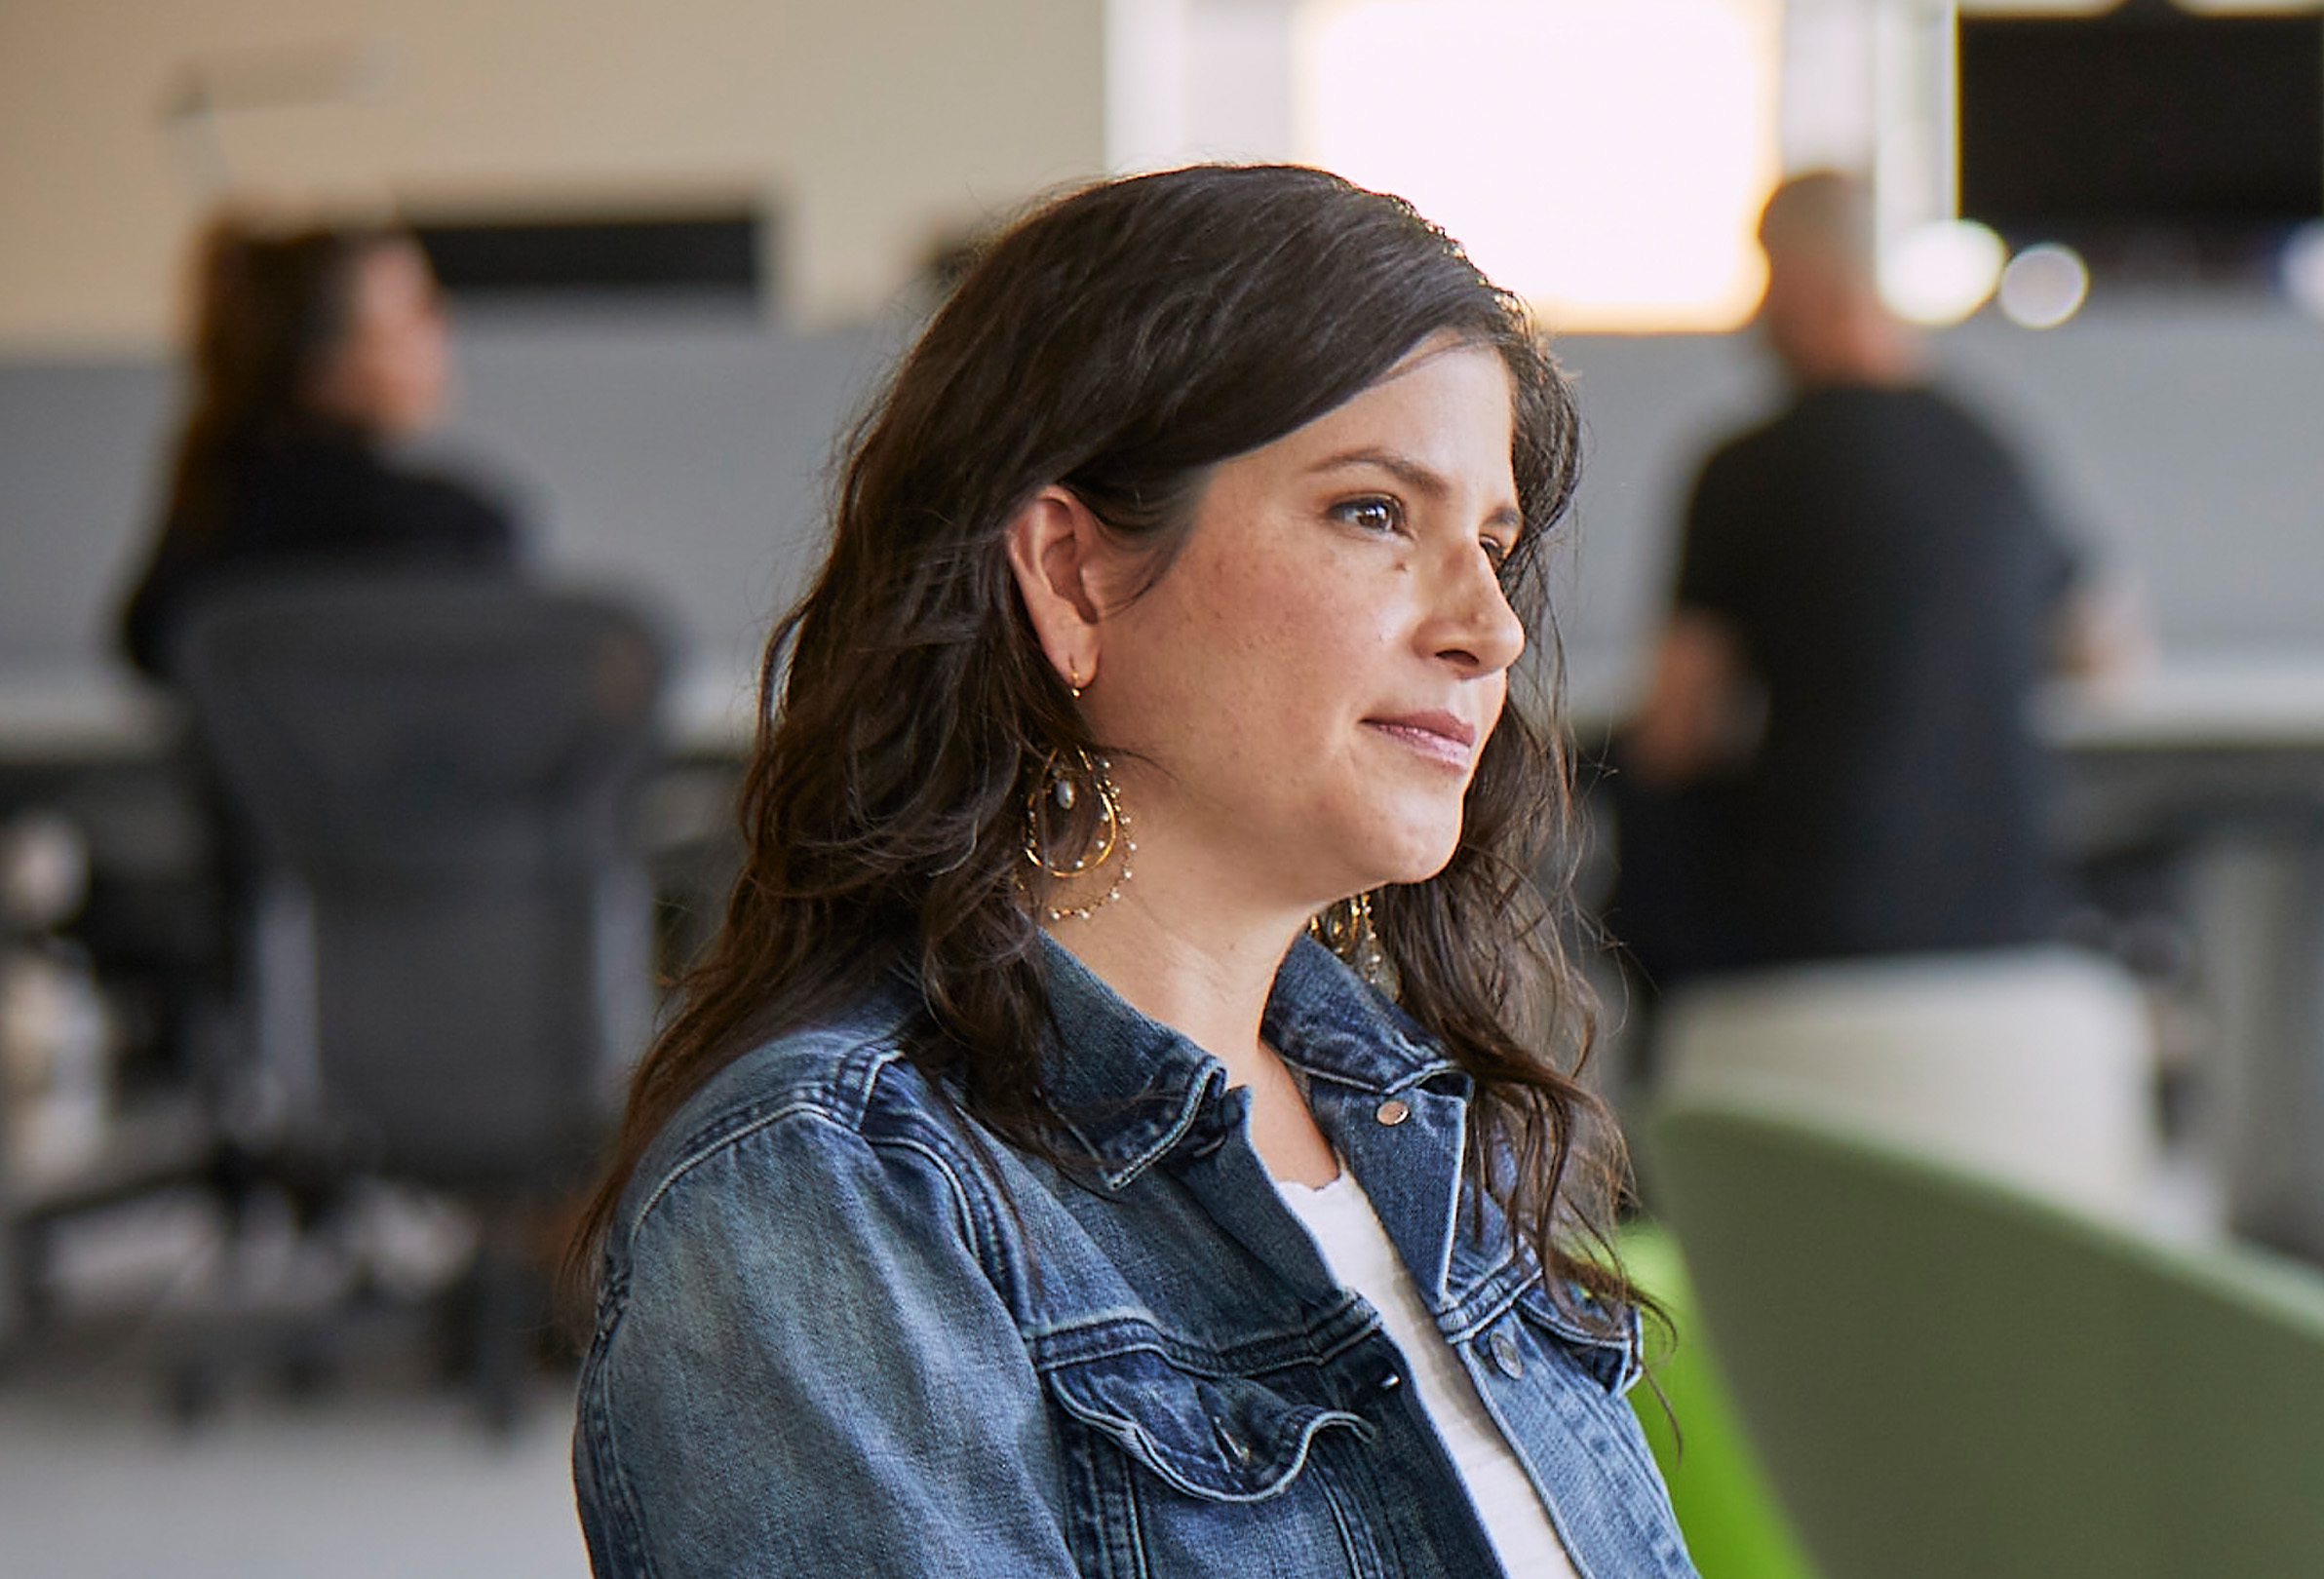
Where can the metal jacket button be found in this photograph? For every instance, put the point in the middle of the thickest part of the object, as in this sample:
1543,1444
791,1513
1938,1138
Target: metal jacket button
1506,1356
1394,1111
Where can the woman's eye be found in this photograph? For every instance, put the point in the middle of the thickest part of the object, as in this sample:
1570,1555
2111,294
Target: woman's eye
1497,551
1374,514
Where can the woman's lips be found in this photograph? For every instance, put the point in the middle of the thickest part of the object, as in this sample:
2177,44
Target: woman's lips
1437,735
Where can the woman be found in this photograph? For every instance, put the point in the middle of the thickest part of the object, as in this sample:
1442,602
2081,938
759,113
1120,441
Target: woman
313,354
993,1203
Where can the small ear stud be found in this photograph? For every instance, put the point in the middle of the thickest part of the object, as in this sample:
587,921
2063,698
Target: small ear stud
1073,683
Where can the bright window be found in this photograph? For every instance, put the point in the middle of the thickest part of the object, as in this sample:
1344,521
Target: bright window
1604,159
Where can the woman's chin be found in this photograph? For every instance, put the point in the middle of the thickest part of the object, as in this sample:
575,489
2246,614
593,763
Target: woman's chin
1412,858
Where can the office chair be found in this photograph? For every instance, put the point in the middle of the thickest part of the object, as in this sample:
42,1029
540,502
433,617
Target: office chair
1735,1524
448,960
1945,1375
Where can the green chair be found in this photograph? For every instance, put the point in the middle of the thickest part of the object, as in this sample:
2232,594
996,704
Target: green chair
1735,1529
1945,1378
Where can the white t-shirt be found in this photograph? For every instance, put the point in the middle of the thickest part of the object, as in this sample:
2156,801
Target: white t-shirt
1360,1255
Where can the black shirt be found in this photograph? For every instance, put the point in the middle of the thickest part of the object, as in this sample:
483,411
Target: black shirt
319,502
1892,580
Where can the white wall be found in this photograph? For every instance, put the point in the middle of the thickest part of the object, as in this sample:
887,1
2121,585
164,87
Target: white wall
877,123
1199,79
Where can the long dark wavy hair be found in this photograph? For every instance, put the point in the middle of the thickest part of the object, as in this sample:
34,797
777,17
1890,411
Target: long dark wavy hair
270,311
1122,341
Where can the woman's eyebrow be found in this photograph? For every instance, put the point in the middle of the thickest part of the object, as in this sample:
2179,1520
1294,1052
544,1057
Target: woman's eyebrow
1420,477
1413,474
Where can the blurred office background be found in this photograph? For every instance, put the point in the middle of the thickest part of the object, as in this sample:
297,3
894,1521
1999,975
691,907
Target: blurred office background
681,242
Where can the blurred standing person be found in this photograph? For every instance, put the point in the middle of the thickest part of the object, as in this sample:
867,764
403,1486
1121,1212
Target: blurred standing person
314,354
1835,757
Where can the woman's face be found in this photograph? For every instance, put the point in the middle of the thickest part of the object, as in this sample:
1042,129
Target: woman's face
390,374
1300,701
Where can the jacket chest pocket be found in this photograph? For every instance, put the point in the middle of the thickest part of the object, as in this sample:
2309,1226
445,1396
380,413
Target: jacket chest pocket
1180,1474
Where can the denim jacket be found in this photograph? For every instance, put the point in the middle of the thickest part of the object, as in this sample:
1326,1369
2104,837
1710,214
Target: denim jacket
839,1336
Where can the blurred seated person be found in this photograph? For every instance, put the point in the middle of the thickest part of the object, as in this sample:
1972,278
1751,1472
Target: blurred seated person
314,354
1835,757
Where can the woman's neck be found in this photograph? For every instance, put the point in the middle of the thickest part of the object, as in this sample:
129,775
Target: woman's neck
1211,990
1207,976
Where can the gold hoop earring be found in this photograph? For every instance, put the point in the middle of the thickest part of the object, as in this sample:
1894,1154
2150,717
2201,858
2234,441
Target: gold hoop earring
1346,929
1057,791
1073,683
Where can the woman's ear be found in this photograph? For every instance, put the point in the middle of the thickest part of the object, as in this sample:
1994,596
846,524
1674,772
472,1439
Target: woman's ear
1055,544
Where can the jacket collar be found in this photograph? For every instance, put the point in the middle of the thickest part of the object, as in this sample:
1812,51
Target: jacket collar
1132,1090
1328,1024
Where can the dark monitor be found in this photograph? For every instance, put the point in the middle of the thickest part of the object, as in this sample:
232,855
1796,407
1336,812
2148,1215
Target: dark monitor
2145,119
704,256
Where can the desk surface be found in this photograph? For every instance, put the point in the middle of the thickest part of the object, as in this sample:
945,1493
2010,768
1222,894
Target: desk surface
2198,702
2216,700
98,713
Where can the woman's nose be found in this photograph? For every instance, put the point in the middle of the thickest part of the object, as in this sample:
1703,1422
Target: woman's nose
1477,630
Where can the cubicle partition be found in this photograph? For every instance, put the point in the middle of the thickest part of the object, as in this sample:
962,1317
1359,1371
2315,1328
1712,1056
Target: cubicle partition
687,459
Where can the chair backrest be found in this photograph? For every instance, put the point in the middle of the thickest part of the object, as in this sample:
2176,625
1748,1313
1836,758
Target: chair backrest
436,775
1946,1378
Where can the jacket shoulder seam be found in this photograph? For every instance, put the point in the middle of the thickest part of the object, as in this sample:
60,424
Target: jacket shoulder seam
843,1104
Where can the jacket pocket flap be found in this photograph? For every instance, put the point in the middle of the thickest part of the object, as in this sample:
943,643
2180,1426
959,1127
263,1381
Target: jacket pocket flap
1227,1439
